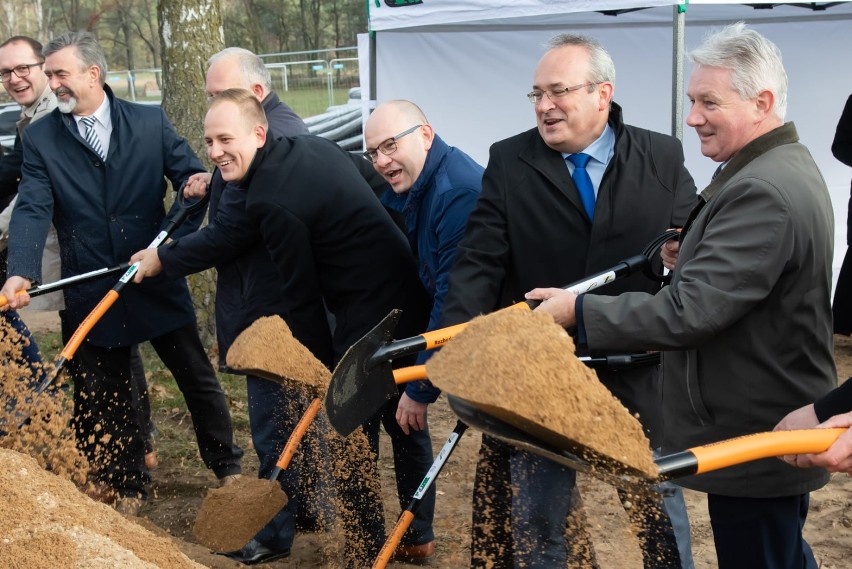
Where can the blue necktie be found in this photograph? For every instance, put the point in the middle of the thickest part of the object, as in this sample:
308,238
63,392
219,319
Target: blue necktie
583,182
92,137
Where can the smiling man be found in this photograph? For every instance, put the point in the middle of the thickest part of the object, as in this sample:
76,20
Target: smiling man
97,167
746,322
433,186
334,246
570,197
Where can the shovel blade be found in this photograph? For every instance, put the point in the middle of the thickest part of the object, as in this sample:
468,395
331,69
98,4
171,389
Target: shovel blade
358,389
568,453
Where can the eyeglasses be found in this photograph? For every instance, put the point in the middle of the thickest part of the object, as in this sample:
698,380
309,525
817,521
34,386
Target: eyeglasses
536,96
387,147
21,71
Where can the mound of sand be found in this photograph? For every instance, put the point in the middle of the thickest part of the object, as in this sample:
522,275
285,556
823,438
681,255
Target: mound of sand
268,349
45,522
520,366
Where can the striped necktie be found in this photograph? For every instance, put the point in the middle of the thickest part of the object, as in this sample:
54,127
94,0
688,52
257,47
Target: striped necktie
92,136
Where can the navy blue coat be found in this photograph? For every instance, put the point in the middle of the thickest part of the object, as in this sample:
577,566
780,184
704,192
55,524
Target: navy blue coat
247,284
435,209
103,213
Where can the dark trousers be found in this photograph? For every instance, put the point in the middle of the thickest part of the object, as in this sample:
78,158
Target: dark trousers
30,356
359,490
106,403
521,502
760,533
274,410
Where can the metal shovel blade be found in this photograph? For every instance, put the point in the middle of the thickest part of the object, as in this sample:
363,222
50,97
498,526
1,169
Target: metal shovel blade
358,387
556,448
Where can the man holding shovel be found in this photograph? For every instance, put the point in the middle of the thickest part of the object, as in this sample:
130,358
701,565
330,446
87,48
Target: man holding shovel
434,186
247,288
335,247
746,321
569,198
90,167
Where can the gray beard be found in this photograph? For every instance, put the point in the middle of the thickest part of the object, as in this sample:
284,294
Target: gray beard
66,106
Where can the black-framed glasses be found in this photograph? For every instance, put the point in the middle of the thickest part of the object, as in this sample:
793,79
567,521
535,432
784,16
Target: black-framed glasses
387,147
21,71
535,96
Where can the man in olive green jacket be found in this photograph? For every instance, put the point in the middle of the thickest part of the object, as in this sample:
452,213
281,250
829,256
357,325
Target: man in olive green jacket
746,321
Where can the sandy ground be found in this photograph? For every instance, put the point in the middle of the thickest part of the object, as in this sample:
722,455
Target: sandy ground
178,490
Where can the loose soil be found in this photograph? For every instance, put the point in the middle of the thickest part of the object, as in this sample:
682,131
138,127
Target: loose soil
178,489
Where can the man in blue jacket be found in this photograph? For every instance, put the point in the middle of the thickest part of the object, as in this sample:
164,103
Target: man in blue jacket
434,187
96,167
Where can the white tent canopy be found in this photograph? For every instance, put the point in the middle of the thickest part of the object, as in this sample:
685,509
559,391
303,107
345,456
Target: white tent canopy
469,64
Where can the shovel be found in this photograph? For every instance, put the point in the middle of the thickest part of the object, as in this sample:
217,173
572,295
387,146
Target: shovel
364,380
64,283
693,461
242,530
185,210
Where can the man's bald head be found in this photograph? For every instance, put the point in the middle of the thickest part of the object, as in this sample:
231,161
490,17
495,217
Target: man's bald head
399,137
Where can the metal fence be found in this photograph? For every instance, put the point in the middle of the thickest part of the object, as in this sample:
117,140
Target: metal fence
309,81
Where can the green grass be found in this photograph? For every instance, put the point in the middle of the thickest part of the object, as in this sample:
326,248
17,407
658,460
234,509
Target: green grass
307,97
176,444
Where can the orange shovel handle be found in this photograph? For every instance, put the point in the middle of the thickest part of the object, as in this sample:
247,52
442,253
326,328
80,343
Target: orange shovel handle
763,445
4,301
87,324
437,338
393,540
297,434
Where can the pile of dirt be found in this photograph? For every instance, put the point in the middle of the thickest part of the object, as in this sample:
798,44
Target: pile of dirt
268,349
252,501
520,367
46,522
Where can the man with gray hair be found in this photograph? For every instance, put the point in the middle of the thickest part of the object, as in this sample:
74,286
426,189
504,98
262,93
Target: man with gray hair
573,196
96,166
746,321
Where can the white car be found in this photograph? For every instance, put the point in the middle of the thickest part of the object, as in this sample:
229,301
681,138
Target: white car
9,115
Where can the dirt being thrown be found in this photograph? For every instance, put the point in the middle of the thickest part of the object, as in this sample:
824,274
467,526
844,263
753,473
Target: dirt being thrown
521,366
268,349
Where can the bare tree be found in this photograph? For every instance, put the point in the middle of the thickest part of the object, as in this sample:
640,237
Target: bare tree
190,32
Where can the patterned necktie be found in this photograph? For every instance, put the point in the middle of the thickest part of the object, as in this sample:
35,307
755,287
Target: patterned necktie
583,182
92,137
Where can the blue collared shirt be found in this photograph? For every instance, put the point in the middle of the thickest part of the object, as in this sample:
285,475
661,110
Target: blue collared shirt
601,152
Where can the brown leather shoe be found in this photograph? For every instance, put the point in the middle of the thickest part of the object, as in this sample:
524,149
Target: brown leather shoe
229,479
100,492
422,553
151,461
129,506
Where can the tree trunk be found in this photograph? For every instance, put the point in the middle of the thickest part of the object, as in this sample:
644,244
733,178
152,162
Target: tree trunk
190,32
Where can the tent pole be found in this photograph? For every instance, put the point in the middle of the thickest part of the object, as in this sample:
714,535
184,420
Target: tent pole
677,70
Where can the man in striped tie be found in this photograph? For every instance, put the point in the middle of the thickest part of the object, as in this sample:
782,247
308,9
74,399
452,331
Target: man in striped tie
97,167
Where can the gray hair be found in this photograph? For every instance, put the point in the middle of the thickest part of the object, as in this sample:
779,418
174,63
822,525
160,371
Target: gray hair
602,67
251,66
89,51
755,63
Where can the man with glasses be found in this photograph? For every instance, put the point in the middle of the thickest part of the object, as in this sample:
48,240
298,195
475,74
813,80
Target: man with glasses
92,167
434,186
574,196
22,75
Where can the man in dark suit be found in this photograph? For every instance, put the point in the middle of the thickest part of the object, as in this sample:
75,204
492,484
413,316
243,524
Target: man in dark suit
334,246
247,288
531,225
96,168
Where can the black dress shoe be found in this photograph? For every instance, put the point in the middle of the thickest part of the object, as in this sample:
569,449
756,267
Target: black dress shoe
255,552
